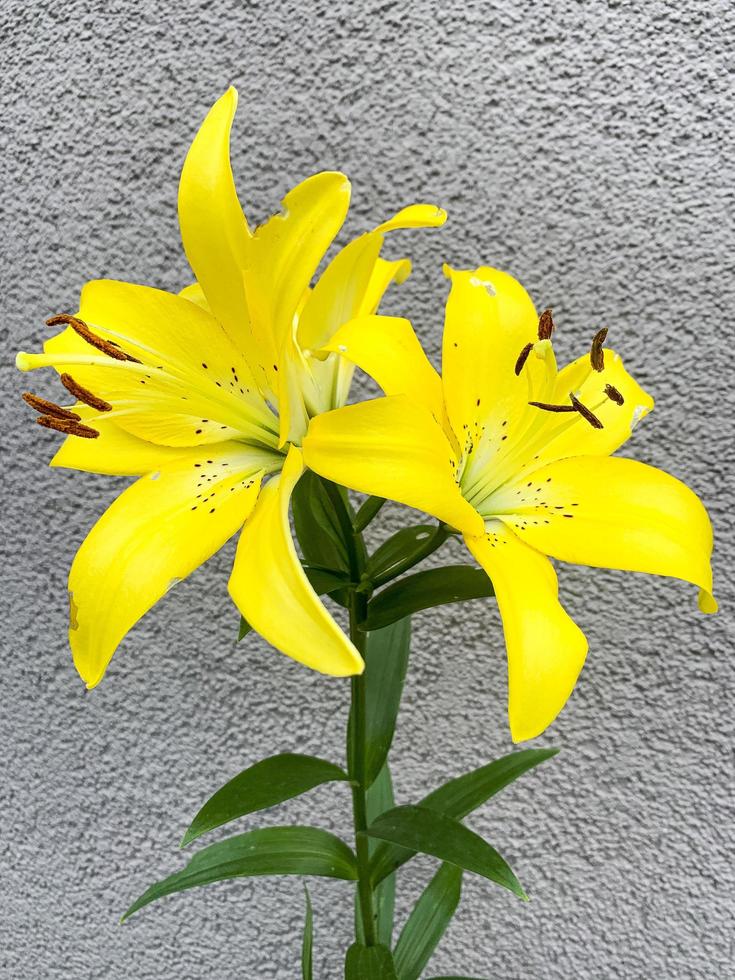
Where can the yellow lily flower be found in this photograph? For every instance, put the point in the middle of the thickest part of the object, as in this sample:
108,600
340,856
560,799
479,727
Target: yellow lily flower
516,455
206,394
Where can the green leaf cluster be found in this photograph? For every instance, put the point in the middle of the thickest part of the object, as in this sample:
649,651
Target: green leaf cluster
381,594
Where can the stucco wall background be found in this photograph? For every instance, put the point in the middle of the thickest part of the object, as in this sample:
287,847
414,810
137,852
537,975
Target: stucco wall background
588,148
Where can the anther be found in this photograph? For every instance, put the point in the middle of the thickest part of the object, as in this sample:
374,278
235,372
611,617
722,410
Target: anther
597,356
553,408
80,327
84,395
522,358
614,395
49,408
585,412
67,426
545,325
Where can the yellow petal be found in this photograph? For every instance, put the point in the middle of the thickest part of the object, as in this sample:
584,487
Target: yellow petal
489,319
157,531
415,216
387,349
285,254
619,513
572,435
270,589
195,294
546,649
356,279
115,452
213,227
391,447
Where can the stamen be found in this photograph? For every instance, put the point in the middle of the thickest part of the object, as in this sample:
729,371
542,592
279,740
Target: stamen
522,358
597,356
614,395
585,412
84,395
545,325
80,327
553,408
49,408
67,426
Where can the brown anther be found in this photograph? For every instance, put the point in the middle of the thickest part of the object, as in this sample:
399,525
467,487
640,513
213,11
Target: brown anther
585,412
522,358
49,408
79,326
67,426
553,408
597,356
614,395
84,395
545,325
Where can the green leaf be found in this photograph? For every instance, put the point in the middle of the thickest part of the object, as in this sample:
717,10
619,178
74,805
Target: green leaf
323,581
420,829
460,797
423,590
386,659
367,512
369,963
428,922
379,799
265,784
388,559
270,851
307,946
317,526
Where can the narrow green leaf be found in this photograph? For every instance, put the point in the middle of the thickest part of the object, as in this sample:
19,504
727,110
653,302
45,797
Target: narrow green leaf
317,526
367,512
369,963
265,784
460,797
393,553
324,581
420,829
428,922
423,590
270,851
386,658
307,946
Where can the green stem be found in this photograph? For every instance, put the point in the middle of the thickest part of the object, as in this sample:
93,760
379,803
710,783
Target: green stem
357,557
358,610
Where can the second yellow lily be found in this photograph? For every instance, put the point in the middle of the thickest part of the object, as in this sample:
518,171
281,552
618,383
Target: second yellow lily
516,455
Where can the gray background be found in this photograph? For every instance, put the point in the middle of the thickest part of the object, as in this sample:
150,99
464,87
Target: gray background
583,146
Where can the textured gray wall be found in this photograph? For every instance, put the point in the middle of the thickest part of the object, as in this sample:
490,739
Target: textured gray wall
585,147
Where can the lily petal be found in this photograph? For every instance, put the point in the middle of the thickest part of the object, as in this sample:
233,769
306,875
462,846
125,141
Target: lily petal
391,447
153,535
618,421
356,279
214,230
285,254
269,587
618,513
115,452
546,649
489,319
387,349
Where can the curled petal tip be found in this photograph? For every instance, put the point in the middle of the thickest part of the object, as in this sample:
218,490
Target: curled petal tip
707,602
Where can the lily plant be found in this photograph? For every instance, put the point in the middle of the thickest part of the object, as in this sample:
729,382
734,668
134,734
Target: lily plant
229,404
